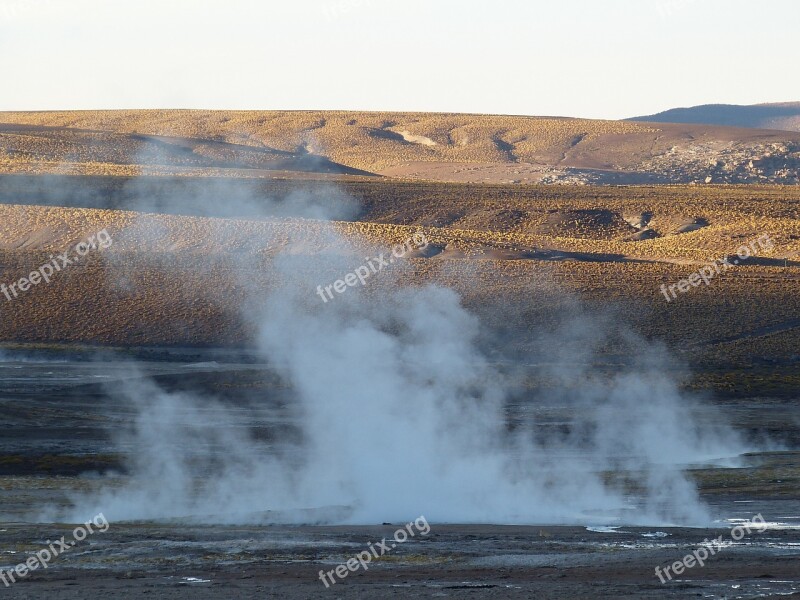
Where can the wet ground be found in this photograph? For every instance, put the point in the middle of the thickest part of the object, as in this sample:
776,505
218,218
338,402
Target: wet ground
57,421
450,562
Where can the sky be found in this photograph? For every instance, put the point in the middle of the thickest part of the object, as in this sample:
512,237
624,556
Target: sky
586,58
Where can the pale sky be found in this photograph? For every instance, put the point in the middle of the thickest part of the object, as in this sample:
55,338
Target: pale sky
588,58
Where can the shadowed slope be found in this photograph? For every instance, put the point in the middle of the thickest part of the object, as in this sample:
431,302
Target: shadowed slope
784,116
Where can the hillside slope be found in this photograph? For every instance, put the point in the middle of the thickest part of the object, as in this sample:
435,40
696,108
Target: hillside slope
783,116
170,280
441,147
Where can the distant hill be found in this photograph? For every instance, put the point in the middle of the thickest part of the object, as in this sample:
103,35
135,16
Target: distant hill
784,116
422,146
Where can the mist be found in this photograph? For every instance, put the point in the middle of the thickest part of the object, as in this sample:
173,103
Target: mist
399,411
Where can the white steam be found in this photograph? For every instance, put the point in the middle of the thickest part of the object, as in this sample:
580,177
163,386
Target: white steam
400,413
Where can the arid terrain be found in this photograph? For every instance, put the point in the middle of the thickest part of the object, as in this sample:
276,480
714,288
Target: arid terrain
206,216
614,247
439,147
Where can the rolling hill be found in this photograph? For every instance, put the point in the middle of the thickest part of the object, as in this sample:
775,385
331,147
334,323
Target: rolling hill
780,116
435,147
227,192
176,280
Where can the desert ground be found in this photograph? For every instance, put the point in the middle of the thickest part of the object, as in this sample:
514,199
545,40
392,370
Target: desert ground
207,214
421,146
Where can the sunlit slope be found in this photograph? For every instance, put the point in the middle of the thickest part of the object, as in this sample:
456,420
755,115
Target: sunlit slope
182,281
447,147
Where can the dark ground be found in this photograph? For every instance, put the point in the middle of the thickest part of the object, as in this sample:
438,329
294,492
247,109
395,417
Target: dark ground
57,421
479,561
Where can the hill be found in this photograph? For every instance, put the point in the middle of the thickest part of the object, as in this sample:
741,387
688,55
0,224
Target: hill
176,280
781,116
437,147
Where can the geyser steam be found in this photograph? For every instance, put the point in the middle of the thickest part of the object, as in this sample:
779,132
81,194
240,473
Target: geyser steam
401,414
